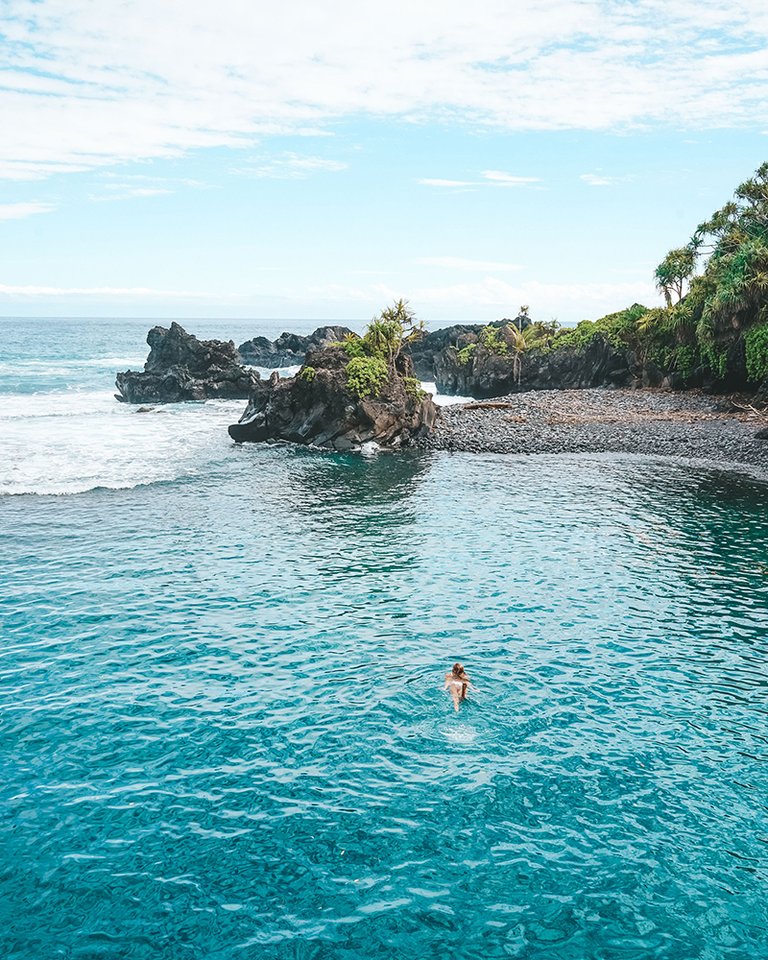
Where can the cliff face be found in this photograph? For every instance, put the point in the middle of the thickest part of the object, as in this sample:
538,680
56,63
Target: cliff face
181,367
319,407
486,374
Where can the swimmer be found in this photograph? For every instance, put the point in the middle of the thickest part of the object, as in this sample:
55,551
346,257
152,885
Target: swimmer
458,683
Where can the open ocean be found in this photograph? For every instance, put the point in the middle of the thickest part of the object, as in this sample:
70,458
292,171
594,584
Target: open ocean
222,728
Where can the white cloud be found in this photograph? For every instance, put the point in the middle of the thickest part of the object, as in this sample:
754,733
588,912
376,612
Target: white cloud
127,192
461,263
19,211
490,178
289,166
438,182
86,85
597,180
501,179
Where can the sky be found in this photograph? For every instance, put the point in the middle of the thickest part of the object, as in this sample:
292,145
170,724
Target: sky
173,158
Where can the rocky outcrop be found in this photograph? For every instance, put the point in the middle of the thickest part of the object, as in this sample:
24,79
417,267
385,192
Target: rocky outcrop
317,407
430,346
486,374
181,367
289,349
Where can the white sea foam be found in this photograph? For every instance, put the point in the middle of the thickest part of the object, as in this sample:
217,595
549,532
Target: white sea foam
61,403
61,367
70,442
444,399
283,372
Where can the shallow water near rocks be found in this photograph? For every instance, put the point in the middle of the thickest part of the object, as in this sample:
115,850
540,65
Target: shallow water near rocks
224,735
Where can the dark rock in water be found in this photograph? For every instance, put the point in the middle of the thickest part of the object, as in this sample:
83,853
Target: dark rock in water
181,367
762,434
316,407
289,349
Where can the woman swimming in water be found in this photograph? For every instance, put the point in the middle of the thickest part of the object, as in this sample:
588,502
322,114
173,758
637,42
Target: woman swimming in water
458,683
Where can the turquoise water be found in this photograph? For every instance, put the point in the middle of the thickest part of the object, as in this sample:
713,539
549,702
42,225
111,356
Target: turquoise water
224,735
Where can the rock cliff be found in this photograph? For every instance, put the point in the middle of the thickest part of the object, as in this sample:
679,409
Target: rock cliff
181,367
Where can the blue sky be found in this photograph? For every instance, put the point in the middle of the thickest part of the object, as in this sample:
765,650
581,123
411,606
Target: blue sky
180,159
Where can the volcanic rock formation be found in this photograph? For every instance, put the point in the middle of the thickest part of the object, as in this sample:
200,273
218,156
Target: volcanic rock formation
318,407
181,367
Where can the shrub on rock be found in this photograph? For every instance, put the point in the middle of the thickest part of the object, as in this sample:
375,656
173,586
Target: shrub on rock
352,392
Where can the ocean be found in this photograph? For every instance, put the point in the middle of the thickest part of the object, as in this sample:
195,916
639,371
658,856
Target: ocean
223,731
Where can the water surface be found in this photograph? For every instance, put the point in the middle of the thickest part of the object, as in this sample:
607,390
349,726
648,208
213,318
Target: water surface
224,735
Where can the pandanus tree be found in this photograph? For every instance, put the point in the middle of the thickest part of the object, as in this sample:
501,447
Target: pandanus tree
729,298
674,271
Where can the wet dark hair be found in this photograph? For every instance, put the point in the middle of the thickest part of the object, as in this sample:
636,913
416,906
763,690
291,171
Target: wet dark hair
458,670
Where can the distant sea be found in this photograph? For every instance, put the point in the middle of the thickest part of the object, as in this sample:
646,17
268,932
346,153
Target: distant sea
223,732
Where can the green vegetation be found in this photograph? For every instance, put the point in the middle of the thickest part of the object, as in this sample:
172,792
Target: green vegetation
307,373
366,376
729,298
413,388
706,312
464,356
493,340
375,355
756,344
620,329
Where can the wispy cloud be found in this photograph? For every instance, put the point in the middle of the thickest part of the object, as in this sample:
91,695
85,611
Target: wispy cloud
439,182
462,263
489,178
19,211
289,166
501,179
127,192
597,180
86,87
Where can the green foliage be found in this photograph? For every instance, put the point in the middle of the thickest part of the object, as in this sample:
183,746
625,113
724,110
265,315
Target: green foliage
756,344
386,335
464,356
413,388
731,293
354,346
307,373
685,359
674,270
620,329
493,340
366,376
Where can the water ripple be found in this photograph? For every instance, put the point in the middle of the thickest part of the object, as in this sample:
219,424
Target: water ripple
224,732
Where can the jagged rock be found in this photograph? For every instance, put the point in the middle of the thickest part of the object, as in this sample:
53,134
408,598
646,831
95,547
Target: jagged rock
289,349
426,349
319,409
181,367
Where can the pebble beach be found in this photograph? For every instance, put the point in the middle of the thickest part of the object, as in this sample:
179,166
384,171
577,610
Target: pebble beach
690,424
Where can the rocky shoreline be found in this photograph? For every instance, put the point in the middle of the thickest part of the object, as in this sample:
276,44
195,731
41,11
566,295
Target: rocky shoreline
691,424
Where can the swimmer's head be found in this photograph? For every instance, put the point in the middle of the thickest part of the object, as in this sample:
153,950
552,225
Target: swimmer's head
458,669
